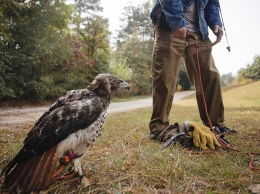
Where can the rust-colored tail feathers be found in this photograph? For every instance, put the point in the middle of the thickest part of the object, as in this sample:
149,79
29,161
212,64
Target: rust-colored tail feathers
34,174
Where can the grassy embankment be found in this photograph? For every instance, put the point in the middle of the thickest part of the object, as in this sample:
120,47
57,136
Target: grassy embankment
125,160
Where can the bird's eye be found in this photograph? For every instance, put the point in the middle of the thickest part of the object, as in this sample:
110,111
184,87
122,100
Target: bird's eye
119,81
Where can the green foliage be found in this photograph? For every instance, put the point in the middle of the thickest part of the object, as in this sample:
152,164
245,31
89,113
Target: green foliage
226,79
135,43
32,38
95,38
119,69
240,79
136,20
253,70
41,57
48,47
250,73
133,50
92,31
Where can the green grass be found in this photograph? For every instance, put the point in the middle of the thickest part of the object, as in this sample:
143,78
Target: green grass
125,160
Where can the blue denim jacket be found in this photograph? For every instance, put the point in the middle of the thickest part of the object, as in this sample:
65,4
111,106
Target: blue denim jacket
208,11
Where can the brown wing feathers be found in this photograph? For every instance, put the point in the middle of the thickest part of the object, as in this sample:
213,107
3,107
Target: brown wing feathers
33,167
33,174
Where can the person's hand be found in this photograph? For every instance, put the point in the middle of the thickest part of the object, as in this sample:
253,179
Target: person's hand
180,33
219,33
202,136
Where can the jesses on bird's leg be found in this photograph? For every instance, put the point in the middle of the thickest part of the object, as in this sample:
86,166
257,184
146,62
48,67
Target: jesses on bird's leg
75,157
68,157
77,166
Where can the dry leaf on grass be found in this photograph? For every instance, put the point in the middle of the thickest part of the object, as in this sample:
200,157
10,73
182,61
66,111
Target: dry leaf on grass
254,188
85,182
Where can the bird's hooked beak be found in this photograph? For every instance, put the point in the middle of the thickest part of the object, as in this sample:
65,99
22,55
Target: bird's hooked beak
123,84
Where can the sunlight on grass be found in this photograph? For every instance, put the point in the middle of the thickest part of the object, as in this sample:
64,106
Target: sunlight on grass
245,96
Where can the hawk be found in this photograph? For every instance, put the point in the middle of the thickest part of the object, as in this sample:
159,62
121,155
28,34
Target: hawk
69,128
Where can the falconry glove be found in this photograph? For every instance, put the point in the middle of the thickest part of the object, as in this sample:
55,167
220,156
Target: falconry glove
202,136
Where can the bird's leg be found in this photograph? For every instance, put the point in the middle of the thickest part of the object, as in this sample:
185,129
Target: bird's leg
65,160
78,168
70,155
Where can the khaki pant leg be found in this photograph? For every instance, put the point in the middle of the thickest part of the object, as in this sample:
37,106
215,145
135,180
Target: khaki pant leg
167,54
210,81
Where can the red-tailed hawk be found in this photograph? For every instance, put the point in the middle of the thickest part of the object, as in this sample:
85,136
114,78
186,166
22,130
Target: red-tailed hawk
68,128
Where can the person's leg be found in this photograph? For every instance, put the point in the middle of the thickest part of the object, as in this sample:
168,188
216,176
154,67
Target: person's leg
210,81
167,53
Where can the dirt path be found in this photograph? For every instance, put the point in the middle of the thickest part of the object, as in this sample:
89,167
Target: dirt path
16,118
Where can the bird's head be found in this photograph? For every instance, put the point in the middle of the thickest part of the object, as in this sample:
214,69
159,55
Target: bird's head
117,83
107,84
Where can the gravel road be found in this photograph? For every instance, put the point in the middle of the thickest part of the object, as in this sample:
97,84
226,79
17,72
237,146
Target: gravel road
16,117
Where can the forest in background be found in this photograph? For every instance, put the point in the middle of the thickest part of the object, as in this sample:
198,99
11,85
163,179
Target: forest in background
48,47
